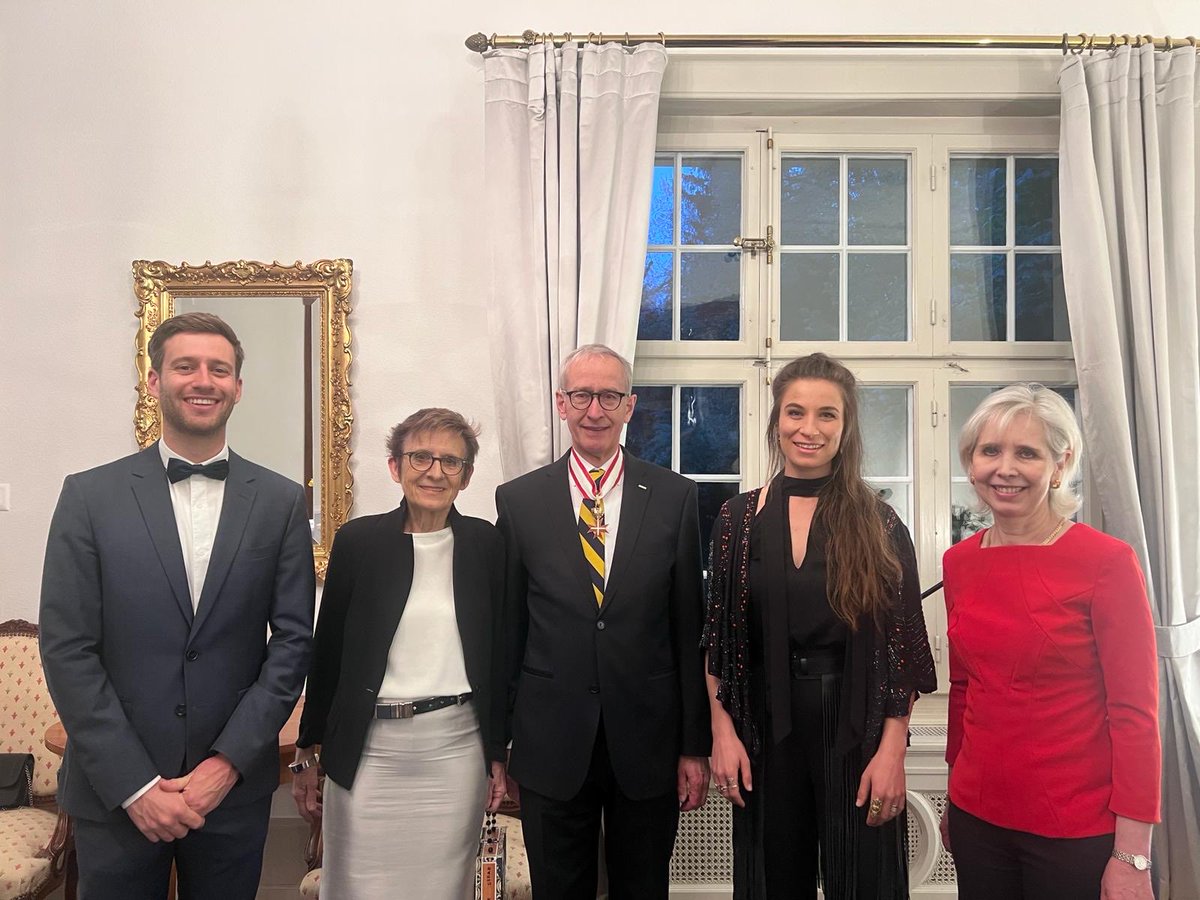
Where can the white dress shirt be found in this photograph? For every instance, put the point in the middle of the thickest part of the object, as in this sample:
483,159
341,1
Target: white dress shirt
197,503
578,473
426,657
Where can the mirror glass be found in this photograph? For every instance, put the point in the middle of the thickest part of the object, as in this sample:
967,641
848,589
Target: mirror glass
294,416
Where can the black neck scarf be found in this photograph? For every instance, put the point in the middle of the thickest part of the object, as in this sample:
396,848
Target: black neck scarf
775,621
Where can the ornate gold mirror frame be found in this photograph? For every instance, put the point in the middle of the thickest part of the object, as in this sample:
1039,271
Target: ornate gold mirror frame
324,289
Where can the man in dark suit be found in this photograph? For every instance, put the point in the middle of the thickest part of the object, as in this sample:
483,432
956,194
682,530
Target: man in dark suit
605,601
164,571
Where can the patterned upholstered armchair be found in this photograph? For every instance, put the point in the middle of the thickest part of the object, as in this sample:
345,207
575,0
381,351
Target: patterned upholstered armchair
35,842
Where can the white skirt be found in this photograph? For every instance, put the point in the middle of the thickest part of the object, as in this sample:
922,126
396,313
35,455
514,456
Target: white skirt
410,826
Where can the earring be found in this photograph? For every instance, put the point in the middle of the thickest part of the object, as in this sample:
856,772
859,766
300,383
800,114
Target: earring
1056,484
971,478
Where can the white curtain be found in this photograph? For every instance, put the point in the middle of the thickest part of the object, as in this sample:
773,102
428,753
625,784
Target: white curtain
1128,187
569,161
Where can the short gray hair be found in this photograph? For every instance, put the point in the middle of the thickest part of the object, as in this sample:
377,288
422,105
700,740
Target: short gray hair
592,351
434,419
1058,422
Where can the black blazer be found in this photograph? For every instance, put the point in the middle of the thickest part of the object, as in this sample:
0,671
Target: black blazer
636,659
366,587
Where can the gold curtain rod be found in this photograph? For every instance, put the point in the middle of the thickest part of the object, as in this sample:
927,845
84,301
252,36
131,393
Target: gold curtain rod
1076,43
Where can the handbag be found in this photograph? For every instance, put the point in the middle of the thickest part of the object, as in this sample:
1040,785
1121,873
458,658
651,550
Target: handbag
16,780
489,864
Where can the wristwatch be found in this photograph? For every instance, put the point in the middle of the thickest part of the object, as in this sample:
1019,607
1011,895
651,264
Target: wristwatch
1139,862
297,767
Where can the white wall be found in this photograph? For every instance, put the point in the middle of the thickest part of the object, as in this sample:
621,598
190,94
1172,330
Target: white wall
295,130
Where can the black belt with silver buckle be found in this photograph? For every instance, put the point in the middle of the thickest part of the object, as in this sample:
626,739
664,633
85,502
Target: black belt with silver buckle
410,708
805,663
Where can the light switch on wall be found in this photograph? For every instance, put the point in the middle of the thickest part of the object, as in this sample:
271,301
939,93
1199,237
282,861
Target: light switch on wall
4,497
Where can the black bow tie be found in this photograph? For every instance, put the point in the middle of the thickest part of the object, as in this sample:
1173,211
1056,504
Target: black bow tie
178,469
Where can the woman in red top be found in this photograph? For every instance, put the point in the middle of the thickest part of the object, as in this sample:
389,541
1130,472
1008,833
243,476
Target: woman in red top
1053,740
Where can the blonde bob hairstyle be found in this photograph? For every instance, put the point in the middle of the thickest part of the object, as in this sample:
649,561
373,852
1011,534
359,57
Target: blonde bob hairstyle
1058,423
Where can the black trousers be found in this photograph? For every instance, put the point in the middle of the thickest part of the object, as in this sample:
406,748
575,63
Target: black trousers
221,861
562,838
810,825
996,863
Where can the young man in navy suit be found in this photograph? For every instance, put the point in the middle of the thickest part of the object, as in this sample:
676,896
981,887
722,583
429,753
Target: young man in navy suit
164,572
605,601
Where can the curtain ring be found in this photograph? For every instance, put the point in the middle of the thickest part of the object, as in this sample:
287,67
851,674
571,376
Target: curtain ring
1112,42
600,38
568,37
627,39
591,34
1091,44
1170,43
1065,46
663,38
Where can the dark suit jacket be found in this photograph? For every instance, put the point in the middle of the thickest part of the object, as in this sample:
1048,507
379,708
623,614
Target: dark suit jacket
635,659
366,587
143,686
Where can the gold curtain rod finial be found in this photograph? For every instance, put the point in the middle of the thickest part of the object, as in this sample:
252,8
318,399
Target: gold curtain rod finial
477,43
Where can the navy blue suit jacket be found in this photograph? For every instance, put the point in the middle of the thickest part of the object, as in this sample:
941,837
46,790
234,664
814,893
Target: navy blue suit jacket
145,687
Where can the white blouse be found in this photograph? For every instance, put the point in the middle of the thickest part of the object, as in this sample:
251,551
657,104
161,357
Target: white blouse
426,656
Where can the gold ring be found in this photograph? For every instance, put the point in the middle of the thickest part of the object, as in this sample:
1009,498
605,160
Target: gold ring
876,806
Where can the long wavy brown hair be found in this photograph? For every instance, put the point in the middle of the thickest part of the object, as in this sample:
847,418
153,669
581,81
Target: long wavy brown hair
864,571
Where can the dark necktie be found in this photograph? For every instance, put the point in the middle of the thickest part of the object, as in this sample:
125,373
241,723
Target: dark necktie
591,535
178,469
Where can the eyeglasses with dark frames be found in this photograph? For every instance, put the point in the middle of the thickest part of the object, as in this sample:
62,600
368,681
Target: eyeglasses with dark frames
423,460
609,400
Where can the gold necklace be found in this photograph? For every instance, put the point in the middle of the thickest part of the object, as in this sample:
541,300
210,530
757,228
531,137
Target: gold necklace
991,537
1062,523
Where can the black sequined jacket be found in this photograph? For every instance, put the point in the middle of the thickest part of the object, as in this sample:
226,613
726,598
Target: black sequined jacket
884,669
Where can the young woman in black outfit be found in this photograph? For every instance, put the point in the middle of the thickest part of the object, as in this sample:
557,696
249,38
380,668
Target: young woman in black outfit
817,650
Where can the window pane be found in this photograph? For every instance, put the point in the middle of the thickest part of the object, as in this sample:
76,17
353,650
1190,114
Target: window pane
963,400
711,287
978,210
978,297
662,202
710,430
808,297
967,514
654,320
711,494
648,435
877,201
1035,183
1041,299
877,297
885,431
809,200
711,200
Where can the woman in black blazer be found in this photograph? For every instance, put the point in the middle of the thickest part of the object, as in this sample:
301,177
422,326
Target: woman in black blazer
405,696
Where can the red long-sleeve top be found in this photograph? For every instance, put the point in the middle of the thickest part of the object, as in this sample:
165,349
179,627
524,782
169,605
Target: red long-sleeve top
1053,685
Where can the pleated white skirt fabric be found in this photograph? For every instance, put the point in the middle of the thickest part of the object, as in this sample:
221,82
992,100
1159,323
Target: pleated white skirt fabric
409,829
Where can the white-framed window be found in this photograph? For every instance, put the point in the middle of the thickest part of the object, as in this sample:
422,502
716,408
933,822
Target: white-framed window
922,252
